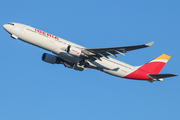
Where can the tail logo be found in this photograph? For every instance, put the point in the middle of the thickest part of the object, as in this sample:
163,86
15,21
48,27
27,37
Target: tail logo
152,67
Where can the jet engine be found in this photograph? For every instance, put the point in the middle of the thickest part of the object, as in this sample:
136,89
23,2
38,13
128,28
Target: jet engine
74,51
50,58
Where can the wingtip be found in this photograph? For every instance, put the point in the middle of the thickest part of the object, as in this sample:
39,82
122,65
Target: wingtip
149,44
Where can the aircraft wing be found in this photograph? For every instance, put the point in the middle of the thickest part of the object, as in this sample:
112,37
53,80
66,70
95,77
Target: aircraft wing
97,53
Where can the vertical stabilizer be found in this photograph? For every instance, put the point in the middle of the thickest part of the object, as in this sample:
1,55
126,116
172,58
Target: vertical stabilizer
155,66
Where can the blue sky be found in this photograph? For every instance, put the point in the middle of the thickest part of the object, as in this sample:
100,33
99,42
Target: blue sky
31,89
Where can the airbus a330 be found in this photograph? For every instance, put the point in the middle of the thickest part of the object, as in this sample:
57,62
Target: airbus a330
77,57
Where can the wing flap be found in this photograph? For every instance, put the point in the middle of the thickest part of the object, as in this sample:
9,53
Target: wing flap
122,49
97,53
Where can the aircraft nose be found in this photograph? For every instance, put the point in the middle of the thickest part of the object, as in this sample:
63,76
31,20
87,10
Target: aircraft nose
5,26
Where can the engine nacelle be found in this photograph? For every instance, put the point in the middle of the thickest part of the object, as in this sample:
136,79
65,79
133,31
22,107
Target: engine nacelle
50,58
74,51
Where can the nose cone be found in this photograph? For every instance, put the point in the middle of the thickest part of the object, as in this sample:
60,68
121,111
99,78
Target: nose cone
5,26
8,28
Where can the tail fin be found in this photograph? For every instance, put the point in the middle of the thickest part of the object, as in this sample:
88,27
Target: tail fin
150,71
155,66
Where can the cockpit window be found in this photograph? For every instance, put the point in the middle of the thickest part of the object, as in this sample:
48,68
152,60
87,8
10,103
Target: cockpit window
11,23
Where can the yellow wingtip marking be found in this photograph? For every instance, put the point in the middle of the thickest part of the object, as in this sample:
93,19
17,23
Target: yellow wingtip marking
163,56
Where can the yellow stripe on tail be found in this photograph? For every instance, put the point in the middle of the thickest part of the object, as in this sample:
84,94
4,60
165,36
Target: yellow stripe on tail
163,57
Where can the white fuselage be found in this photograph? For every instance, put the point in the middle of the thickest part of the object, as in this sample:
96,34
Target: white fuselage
58,46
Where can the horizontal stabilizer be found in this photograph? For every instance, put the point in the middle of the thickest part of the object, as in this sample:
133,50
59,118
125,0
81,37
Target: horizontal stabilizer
159,76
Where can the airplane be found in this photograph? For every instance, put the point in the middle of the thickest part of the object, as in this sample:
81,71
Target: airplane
77,57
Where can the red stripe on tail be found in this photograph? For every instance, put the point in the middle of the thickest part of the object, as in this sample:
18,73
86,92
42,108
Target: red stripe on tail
153,67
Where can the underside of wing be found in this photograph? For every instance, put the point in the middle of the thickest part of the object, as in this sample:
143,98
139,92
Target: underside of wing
97,53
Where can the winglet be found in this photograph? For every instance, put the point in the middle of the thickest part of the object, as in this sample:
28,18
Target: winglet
149,44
